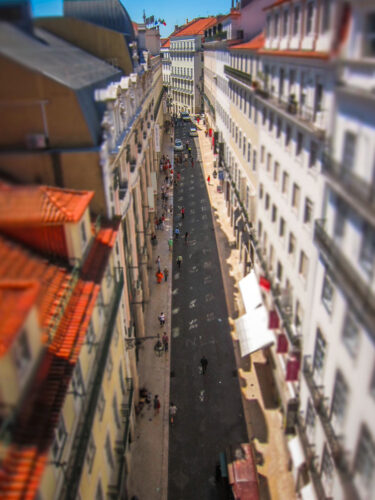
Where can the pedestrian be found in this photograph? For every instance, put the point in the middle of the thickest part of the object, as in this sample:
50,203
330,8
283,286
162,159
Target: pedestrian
162,319
186,238
165,342
192,162
204,364
208,179
170,244
159,277
156,405
183,213
166,272
176,233
179,261
157,262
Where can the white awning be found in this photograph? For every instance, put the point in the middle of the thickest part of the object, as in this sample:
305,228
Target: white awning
296,452
250,292
252,330
308,492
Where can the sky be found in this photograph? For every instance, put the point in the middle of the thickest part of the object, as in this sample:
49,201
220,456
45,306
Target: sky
173,12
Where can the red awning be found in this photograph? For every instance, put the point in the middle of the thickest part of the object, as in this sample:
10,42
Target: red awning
282,344
292,369
264,283
273,322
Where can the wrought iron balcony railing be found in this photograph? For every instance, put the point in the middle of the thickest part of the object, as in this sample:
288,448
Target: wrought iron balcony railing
357,291
81,438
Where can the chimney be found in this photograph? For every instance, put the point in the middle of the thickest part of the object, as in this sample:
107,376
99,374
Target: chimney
187,20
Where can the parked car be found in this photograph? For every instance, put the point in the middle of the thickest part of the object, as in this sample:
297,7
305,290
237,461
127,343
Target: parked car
178,146
193,132
185,116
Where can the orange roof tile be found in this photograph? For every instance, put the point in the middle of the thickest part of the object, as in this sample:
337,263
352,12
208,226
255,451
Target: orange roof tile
195,27
41,204
308,54
166,44
254,44
18,297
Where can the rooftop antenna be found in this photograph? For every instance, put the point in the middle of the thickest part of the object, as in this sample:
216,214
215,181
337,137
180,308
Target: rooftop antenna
144,15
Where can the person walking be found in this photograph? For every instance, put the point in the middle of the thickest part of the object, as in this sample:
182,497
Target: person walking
165,341
179,261
157,261
156,405
176,233
208,179
204,364
166,272
170,244
162,319
159,277
183,213
172,412
186,238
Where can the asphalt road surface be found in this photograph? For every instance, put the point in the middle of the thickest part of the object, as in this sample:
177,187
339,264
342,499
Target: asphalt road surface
209,415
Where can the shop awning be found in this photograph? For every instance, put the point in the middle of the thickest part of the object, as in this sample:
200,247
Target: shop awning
250,292
308,492
253,332
296,452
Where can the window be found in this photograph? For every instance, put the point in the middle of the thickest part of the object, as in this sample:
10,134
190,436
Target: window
348,155
240,140
78,386
310,415
285,183
109,366
309,17
268,164
340,219
313,154
319,352
369,38
279,125
308,212
99,495
296,193
101,405
90,454
298,317
296,20
299,143
288,135
90,336
328,292
285,22
276,171
340,397
122,381
115,411
254,161
83,232
350,334
325,15
365,458
291,244
59,441
270,122
367,252
108,451
244,146
21,354
372,383
279,271
273,213
260,229
267,202
276,25
248,152
327,465
262,151
303,264
282,227
260,191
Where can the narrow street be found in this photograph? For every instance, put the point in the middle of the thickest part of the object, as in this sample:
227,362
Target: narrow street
210,415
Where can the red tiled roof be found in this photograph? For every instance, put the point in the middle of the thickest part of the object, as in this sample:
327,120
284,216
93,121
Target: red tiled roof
19,297
41,204
276,4
195,27
25,458
308,54
166,44
254,44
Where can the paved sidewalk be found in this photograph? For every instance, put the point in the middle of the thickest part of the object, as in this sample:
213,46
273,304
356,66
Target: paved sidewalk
148,476
263,418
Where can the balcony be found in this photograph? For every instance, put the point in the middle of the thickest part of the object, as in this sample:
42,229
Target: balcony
356,191
337,450
357,291
76,461
217,37
239,75
114,491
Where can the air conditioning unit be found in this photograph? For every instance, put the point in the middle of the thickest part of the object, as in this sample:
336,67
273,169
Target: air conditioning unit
36,141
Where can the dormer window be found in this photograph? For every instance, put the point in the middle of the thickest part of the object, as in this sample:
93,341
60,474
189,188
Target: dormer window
285,22
268,26
276,25
309,17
